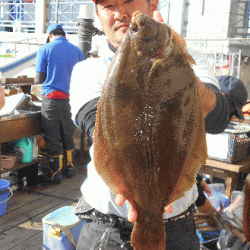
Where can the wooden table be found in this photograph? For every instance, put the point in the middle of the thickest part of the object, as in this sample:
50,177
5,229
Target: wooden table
226,171
17,127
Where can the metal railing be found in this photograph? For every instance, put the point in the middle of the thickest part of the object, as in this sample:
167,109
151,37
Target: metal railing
224,61
66,12
17,15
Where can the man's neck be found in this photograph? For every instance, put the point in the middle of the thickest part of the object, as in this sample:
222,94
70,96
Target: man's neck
54,37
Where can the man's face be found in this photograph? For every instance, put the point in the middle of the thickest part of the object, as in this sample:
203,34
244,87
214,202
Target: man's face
115,16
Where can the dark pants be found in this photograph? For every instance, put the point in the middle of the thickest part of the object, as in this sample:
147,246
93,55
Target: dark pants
99,235
57,125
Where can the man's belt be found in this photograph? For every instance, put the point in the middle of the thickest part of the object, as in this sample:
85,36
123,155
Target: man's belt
124,224
184,215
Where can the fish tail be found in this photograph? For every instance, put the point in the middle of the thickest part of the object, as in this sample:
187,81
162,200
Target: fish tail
148,238
246,209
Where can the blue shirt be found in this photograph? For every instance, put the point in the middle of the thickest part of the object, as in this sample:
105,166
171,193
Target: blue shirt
57,60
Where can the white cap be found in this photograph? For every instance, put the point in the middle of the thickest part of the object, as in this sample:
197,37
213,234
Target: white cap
87,11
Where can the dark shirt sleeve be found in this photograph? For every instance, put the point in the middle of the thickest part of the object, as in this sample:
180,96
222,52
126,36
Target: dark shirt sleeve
217,120
86,119
40,77
199,177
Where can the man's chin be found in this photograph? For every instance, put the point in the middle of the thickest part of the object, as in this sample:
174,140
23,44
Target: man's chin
120,34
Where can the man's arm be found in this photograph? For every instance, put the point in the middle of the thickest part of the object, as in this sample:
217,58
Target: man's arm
2,97
40,77
218,118
215,107
41,66
86,117
208,99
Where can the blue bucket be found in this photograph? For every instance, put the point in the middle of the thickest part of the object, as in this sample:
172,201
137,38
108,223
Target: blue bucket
5,194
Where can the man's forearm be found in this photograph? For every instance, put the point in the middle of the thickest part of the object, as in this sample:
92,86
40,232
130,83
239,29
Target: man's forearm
208,99
40,77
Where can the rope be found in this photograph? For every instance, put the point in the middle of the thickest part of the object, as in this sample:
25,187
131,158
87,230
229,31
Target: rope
66,232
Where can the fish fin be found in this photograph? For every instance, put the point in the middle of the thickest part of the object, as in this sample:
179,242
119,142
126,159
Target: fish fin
148,238
196,159
246,209
102,159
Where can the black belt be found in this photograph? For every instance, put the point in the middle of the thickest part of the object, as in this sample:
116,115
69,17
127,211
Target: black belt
187,214
114,220
122,223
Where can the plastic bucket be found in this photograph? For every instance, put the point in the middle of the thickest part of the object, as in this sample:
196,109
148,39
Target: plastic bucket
5,195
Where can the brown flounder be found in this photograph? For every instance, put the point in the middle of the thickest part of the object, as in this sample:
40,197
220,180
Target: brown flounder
149,139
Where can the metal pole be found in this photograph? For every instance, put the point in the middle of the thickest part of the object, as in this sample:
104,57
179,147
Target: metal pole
85,21
239,63
57,6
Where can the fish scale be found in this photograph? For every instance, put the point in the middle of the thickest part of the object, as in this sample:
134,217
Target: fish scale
149,138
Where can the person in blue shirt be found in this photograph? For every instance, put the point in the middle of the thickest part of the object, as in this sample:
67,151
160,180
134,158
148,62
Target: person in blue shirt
54,64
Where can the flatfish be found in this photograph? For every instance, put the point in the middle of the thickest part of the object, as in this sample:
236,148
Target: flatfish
149,138
246,208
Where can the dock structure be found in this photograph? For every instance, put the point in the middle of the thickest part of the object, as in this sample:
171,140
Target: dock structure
21,225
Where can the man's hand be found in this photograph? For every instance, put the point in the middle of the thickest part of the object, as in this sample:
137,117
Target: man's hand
179,39
206,188
207,96
2,97
133,214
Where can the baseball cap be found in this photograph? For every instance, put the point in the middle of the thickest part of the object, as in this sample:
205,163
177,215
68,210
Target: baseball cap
235,90
54,27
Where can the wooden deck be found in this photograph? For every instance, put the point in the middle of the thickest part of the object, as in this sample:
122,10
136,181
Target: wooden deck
21,226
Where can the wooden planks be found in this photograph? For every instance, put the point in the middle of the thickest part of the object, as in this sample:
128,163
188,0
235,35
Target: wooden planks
21,226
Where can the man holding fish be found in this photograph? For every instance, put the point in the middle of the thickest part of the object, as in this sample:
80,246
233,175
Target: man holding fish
107,211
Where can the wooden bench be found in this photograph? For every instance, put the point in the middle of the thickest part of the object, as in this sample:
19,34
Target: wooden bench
18,127
226,171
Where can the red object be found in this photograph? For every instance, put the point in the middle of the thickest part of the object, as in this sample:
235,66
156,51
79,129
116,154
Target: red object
225,64
94,1
57,95
40,142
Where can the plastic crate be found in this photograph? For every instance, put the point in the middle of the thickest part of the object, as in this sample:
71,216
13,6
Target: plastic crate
230,146
61,229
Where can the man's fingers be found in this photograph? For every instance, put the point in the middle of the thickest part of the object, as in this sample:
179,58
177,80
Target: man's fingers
132,215
168,209
120,199
179,39
158,17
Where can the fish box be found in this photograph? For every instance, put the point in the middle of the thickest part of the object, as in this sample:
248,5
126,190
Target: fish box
61,229
230,146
